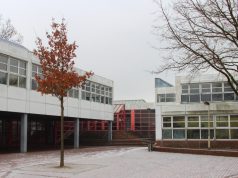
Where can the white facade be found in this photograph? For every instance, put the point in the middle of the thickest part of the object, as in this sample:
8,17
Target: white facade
17,96
182,115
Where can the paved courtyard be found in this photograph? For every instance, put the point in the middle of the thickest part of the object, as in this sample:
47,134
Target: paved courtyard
116,162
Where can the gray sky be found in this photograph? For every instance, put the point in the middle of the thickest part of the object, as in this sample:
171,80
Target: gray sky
114,37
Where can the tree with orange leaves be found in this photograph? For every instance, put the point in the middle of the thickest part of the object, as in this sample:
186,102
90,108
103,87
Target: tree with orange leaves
57,64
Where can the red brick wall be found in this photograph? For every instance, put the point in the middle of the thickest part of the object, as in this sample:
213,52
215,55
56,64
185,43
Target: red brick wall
219,144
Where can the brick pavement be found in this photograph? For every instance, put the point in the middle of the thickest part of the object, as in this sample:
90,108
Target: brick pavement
117,162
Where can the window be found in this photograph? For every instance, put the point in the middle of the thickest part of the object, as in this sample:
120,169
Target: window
83,95
95,92
167,122
217,92
185,89
36,71
3,78
3,69
193,134
222,133
194,88
179,134
3,62
97,88
221,121
160,98
73,93
185,98
102,99
194,92
234,120
110,92
98,98
206,92
168,97
228,92
185,93
167,133
17,75
87,96
193,121
12,71
204,133
102,90
234,133
204,121
93,98
178,121
87,86
93,87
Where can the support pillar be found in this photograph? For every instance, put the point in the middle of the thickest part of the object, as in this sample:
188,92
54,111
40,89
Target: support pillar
23,144
109,131
76,133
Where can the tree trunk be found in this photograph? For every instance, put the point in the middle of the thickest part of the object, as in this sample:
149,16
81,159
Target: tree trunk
62,132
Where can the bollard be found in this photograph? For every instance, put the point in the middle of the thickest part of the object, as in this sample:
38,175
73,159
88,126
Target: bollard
149,147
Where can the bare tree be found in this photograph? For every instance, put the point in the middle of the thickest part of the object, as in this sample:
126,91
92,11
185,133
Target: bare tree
9,32
201,35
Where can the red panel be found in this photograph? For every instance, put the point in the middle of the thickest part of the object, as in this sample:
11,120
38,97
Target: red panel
132,120
103,125
117,121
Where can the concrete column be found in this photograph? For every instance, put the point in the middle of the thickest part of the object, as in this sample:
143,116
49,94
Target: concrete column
23,146
76,133
109,131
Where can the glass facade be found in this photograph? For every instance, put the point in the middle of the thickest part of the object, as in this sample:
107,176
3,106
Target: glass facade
197,127
96,92
199,92
36,71
12,71
168,97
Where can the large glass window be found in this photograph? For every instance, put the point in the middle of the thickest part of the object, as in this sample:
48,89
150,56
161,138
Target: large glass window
179,134
3,78
222,133
234,133
185,89
234,120
221,121
206,92
168,97
17,75
178,121
204,121
217,92
196,92
197,127
36,71
3,62
73,93
204,133
160,98
167,133
95,92
193,133
167,122
193,121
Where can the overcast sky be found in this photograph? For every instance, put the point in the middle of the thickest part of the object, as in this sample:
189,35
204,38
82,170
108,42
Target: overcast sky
114,36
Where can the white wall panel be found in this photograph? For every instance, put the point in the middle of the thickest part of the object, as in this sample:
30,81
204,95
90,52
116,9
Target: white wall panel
15,105
3,89
3,104
37,108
